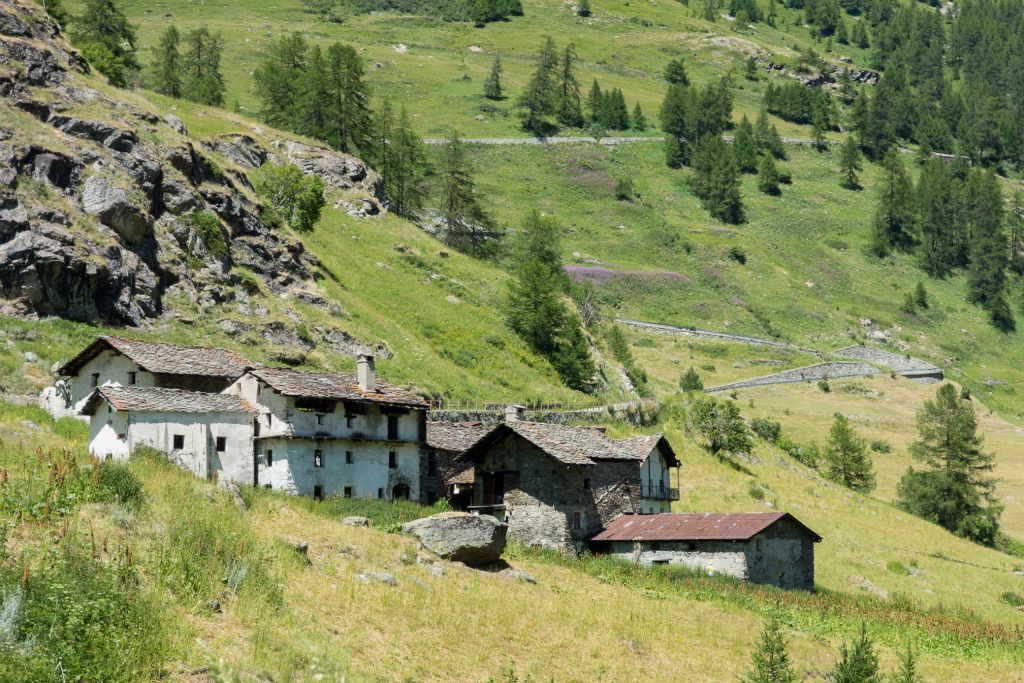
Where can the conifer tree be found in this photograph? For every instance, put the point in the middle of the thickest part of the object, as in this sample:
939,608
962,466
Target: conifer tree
639,121
768,175
595,98
770,662
858,662
860,35
745,146
907,671
400,158
467,225
539,99
842,37
313,99
534,307
691,381
850,164
583,9
936,219
894,214
570,112
107,40
767,137
674,155
203,81
492,85
674,114
277,77
350,125
818,133
57,11
675,72
846,458
716,179
957,490
167,63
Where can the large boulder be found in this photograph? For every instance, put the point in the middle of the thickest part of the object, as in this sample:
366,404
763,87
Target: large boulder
462,537
113,208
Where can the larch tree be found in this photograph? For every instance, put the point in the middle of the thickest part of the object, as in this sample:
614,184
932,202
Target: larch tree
850,163
936,218
770,662
351,124
846,457
167,63
492,85
570,110
989,252
957,490
858,662
277,77
107,41
467,227
894,214
203,82
745,147
768,175
539,100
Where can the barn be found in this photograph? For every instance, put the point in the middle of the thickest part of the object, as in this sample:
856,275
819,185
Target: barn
763,547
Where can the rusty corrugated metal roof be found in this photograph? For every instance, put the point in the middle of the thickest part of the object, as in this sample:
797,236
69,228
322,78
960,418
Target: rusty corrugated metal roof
699,526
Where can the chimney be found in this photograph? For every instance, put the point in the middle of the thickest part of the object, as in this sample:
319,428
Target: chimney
366,372
515,413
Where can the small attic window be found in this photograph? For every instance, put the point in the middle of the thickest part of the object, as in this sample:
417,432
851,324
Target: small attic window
131,378
314,405
95,379
222,444
178,442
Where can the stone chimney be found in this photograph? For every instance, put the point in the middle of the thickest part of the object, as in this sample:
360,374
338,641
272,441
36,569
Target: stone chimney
366,372
515,413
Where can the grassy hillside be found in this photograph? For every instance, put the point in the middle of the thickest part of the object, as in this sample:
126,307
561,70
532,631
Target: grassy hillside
227,595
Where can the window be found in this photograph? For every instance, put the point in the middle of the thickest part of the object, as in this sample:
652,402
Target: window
319,418
586,484
318,492
380,493
348,457
270,457
576,522
256,427
131,378
392,460
348,491
348,420
431,465
222,444
95,379
178,442
392,427
318,458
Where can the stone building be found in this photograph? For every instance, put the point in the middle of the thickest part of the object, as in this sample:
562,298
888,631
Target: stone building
324,434
116,361
556,485
763,547
444,474
209,435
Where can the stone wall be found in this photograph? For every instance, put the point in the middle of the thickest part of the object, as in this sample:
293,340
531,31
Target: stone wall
811,373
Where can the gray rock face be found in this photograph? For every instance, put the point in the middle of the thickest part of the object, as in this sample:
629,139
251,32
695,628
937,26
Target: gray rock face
113,208
356,521
176,124
458,536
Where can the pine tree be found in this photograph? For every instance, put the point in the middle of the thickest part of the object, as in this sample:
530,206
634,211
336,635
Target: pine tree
350,123
770,662
850,164
313,99
492,85
595,99
675,112
401,159
847,462
570,112
639,121
767,137
907,672
894,214
674,154
989,255
539,99
467,228
534,308
957,491
818,133
691,381
745,146
107,40
675,72
768,175
167,63
935,219
203,81
858,663
716,179
583,9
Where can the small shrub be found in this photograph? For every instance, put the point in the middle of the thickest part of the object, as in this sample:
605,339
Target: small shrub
824,386
898,568
116,483
738,255
624,190
769,430
1012,599
209,230
808,454
691,381
880,446
755,491
296,197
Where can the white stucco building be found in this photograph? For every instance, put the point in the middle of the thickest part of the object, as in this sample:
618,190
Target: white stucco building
116,361
656,458
328,434
210,435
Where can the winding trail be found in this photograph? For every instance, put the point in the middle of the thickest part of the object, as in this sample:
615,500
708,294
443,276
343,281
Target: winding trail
609,141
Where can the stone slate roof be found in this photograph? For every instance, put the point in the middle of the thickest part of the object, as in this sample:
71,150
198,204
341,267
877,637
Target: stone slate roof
165,359
454,436
706,526
335,387
570,445
460,472
159,399
641,447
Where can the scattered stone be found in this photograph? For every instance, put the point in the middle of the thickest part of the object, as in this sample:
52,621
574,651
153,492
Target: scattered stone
518,574
380,577
462,537
400,48
30,357
214,606
29,424
356,521
422,585
176,124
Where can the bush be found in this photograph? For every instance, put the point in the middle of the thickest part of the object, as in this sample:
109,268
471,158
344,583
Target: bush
209,230
880,446
824,386
1012,599
691,381
738,255
116,483
808,454
624,190
769,430
294,196
755,491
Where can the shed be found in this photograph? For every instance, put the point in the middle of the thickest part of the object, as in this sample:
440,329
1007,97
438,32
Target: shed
764,547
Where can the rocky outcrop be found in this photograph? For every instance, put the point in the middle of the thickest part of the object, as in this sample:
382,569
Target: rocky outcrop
458,536
98,221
